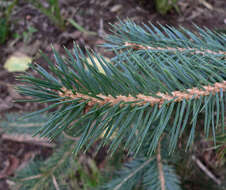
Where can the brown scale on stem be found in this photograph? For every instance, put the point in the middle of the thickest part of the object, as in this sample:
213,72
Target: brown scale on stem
142,99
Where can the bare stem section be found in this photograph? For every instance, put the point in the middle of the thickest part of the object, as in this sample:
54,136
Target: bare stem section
160,166
141,99
192,50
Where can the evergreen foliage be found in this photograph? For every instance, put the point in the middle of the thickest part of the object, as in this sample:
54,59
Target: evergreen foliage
50,174
62,170
161,81
155,172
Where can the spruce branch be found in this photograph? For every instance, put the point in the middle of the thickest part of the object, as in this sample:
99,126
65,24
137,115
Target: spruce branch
147,173
166,38
130,176
137,96
50,174
134,173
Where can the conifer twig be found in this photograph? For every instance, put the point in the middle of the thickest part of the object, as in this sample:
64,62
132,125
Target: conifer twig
55,183
160,166
32,177
133,173
177,96
192,50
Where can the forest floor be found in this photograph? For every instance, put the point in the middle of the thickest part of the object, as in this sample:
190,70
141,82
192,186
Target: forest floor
95,16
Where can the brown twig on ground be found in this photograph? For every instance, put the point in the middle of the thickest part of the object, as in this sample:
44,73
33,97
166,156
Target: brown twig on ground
206,170
25,138
11,167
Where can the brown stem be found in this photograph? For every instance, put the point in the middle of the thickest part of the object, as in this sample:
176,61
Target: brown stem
160,166
192,50
177,96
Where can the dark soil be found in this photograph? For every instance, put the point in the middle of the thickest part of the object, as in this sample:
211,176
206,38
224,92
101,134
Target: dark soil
93,15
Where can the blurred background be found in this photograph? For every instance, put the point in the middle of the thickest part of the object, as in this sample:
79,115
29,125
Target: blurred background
28,26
